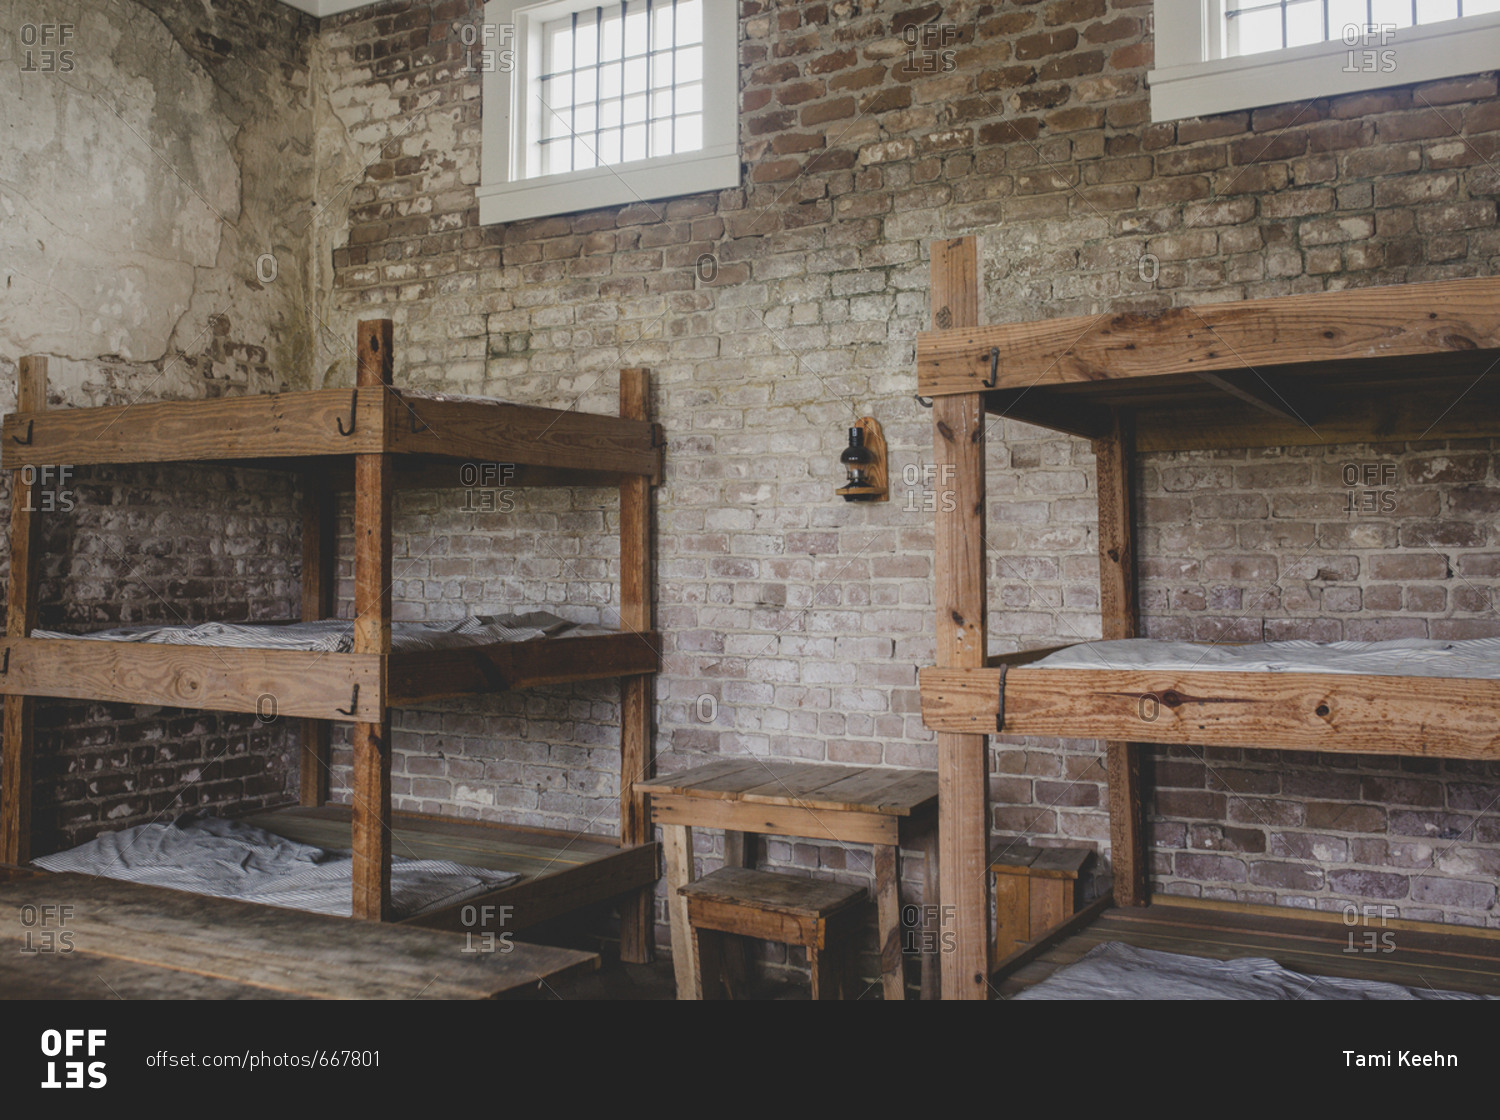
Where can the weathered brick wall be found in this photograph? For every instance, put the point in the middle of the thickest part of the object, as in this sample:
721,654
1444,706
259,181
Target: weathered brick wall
144,187
801,619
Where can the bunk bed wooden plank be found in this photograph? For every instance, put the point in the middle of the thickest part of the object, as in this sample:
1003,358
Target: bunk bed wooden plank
21,604
1034,406
262,426
560,890
636,692
371,786
1444,316
1444,408
300,683
493,431
1120,619
420,675
1433,717
271,947
319,550
963,794
527,851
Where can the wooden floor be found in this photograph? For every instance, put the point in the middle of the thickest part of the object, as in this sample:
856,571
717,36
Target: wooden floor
1415,954
560,871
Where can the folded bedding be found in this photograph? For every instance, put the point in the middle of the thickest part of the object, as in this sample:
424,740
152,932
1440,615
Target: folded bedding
1477,658
230,859
336,635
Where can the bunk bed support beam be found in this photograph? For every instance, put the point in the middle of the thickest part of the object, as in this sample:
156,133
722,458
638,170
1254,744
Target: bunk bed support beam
1361,324
636,692
371,787
20,711
963,789
1119,618
318,553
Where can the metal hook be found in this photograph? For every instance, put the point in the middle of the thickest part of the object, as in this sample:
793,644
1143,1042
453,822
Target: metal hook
415,420
353,704
353,415
994,367
24,442
925,402
5,664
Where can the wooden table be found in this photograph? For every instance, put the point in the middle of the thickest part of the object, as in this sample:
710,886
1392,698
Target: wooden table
880,806
129,941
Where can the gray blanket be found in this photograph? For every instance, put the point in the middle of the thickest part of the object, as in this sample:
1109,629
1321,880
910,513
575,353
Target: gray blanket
230,859
336,635
1115,970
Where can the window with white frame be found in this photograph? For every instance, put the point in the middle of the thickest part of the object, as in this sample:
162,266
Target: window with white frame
1213,56
589,105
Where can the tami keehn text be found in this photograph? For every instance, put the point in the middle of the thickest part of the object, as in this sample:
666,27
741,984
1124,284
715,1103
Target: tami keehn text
1408,1058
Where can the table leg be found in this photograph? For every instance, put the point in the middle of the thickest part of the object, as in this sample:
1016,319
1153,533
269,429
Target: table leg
888,917
931,927
677,839
739,851
708,946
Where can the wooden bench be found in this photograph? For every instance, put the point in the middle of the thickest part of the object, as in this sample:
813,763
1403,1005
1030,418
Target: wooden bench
1035,890
823,917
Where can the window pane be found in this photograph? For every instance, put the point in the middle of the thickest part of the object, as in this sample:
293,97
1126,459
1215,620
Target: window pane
635,142
689,132
690,99
621,82
1304,23
1346,21
1254,31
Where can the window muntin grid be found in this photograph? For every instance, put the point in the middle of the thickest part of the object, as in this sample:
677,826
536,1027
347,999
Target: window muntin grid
1257,26
619,83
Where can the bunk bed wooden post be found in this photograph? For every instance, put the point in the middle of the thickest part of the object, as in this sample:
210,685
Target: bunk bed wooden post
1119,617
636,692
20,723
963,760
371,789
318,553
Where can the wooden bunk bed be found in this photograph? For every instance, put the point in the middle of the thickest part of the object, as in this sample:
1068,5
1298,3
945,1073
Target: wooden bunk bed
1408,362
373,439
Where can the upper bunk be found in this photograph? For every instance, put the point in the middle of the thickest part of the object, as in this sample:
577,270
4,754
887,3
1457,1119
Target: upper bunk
1407,362
434,439
1384,363
352,669
432,436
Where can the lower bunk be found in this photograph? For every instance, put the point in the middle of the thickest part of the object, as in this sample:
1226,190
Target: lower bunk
483,879
1182,948
554,872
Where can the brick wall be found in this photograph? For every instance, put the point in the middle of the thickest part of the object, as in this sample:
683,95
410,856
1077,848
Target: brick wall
793,623
152,249
801,619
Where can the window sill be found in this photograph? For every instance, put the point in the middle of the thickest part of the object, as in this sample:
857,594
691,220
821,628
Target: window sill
711,169
1408,56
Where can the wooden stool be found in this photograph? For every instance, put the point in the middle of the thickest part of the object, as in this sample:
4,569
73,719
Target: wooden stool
1035,889
820,916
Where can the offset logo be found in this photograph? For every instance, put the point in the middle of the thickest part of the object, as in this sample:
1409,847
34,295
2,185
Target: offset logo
73,1072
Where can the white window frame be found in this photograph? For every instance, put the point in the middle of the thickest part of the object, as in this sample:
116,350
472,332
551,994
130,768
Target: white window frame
509,51
1189,80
